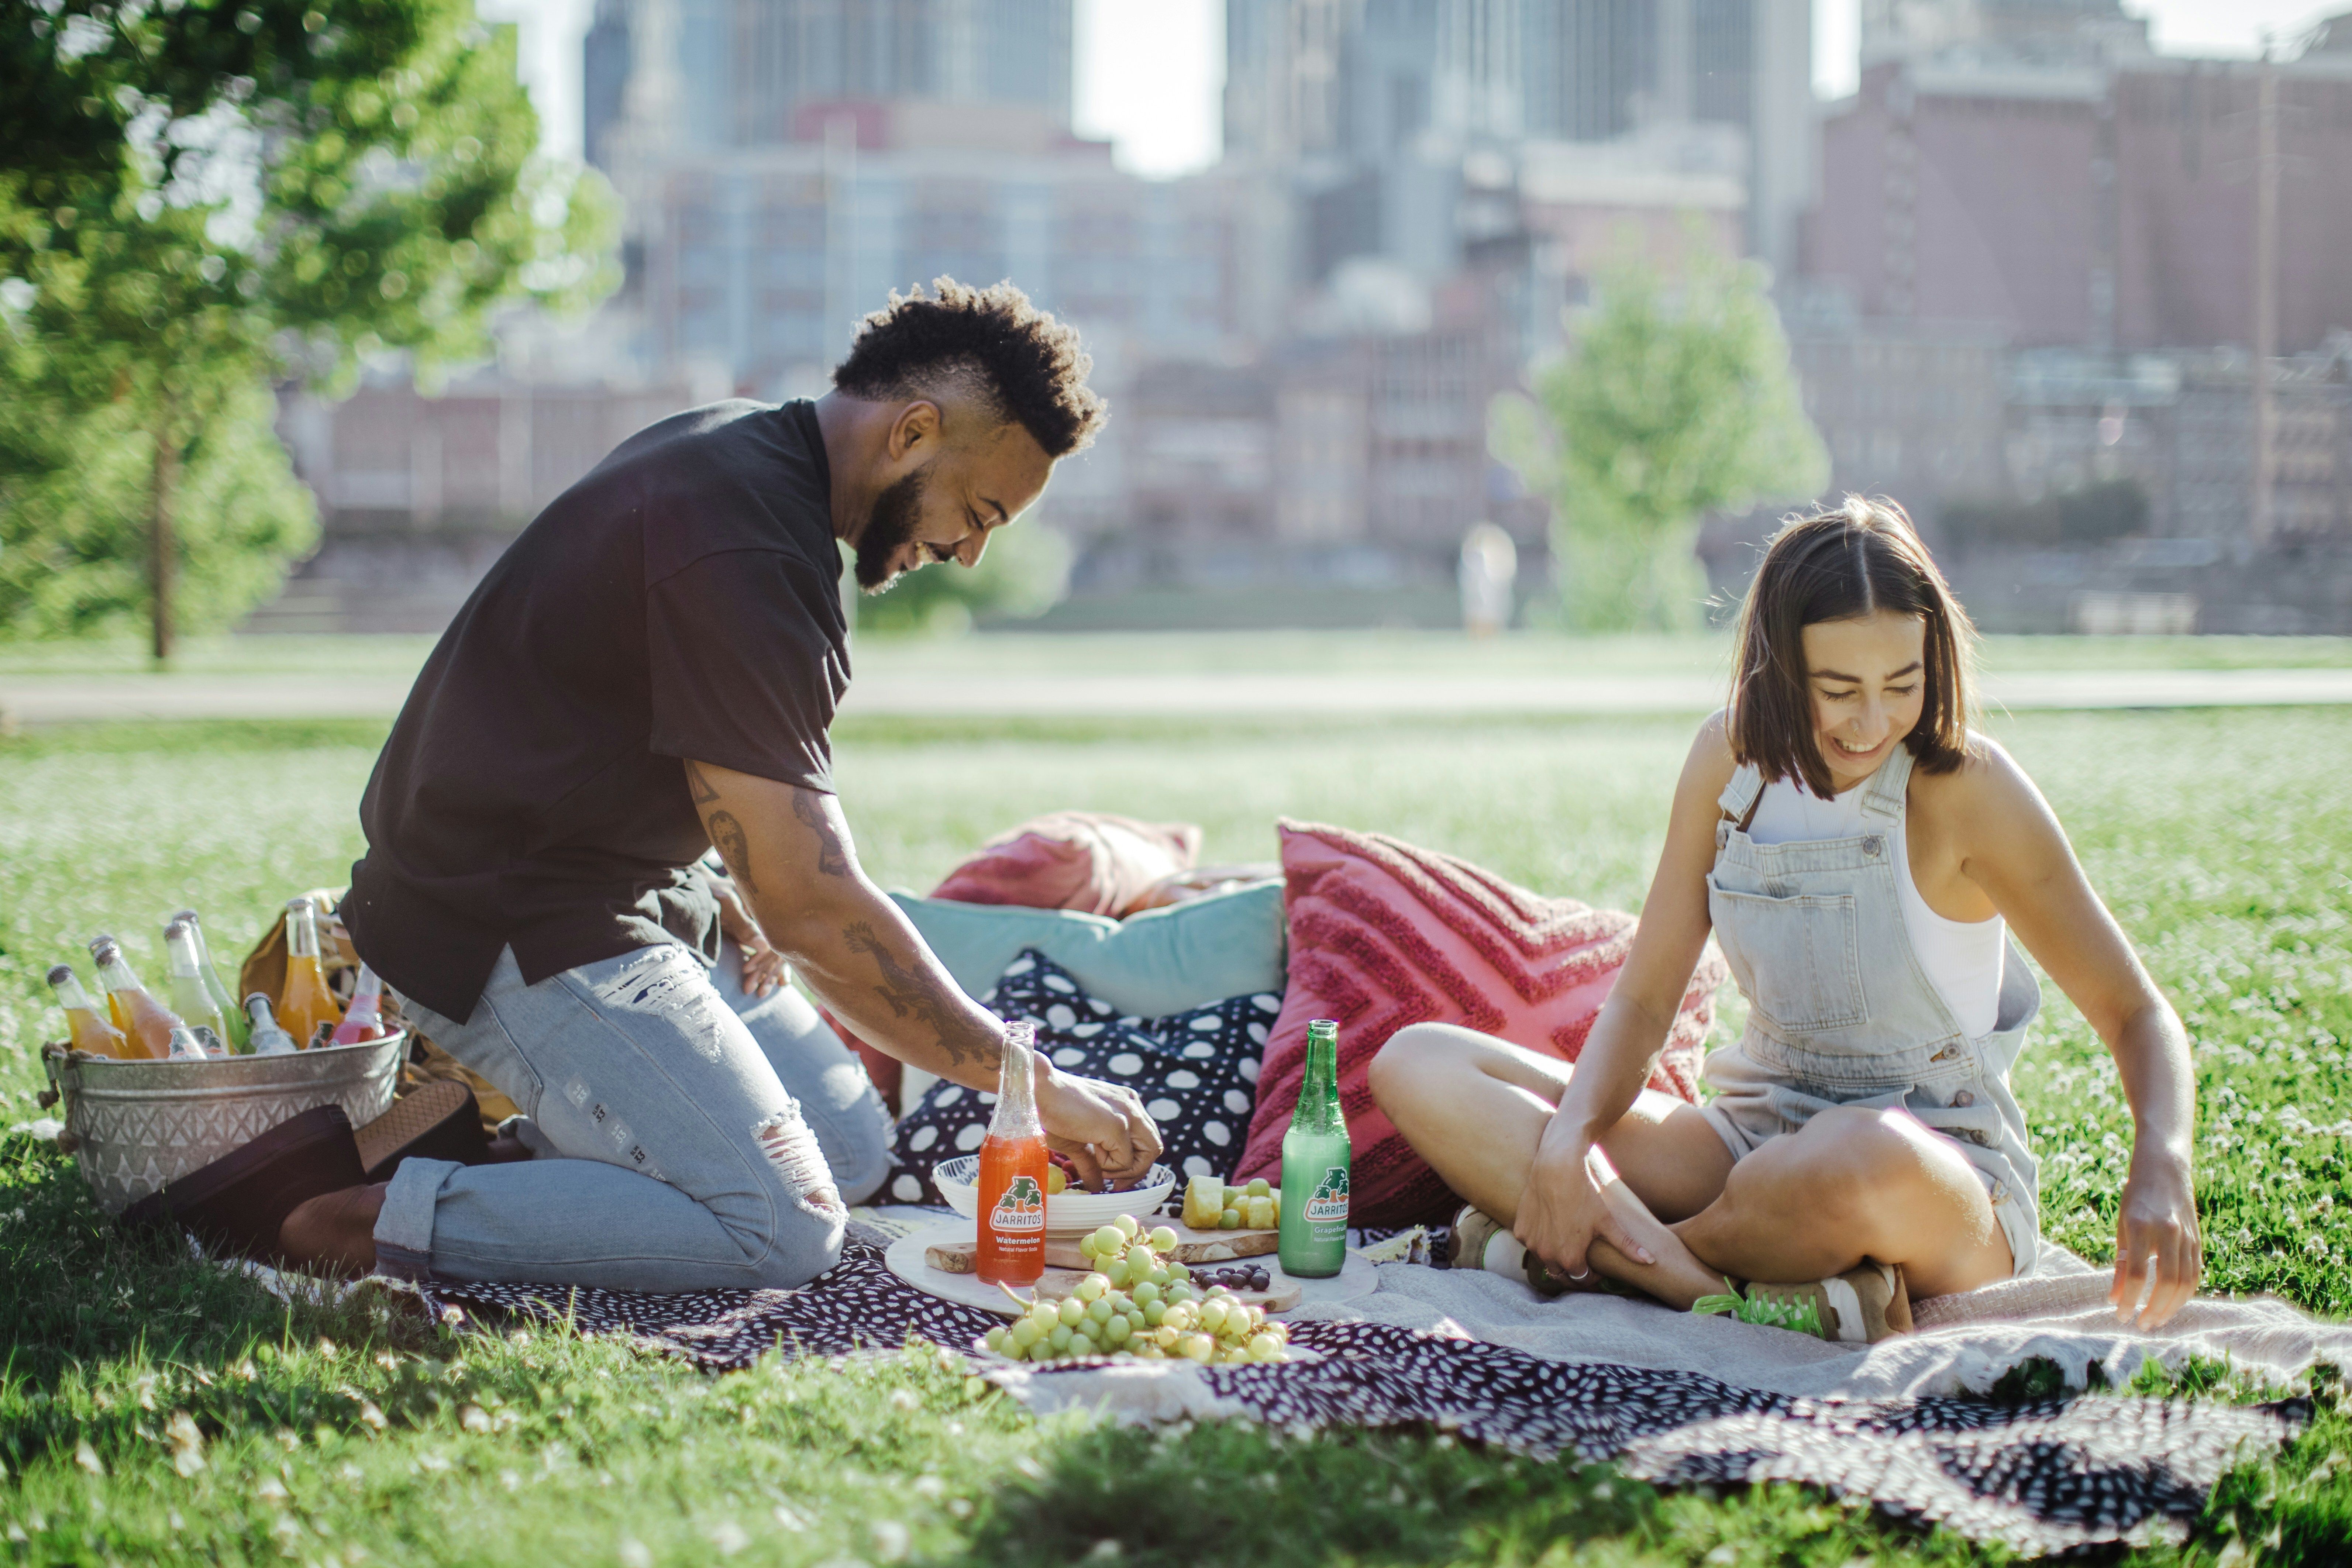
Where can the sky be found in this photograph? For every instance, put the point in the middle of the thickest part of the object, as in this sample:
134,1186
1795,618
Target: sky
1149,70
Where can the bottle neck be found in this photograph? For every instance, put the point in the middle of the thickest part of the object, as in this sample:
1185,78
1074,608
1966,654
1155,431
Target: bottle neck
114,974
180,946
367,995
1319,1090
302,933
71,994
1016,1086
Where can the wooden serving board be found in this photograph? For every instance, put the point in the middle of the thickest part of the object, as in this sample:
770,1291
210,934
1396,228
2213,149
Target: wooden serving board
1192,1247
962,1256
916,1258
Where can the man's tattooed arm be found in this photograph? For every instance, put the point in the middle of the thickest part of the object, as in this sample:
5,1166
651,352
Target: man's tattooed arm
833,850
698,784
727,837
912,994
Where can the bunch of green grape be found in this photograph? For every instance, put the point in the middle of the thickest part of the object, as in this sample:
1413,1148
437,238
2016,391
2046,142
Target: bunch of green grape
1141,1305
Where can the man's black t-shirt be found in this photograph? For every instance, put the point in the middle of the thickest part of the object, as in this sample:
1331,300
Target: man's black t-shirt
683,600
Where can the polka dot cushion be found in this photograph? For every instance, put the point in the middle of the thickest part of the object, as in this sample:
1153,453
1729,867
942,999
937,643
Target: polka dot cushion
1195,1072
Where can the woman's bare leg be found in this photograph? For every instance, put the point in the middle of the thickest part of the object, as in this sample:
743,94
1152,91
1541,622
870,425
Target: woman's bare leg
1853,1185
1476,1108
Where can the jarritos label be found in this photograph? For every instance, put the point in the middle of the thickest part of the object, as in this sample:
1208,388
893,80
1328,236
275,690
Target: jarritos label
1022,1206
1328,1201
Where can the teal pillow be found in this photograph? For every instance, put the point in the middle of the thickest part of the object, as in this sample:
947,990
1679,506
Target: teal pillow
1151,964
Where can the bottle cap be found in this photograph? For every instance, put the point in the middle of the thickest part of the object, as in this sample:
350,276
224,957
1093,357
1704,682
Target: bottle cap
187,915
60,973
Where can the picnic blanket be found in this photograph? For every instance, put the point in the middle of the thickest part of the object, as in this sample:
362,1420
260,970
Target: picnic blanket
1607,1379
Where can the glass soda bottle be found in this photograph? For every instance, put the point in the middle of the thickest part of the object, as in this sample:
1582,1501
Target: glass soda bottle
147,1022
1313,1243
269,1039
98,945
89,1029
224,999
364,1020
1013,1171
307,1000
190,999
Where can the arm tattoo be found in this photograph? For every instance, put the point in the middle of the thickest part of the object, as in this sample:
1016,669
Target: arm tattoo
703,790
832,855
727,837
910,993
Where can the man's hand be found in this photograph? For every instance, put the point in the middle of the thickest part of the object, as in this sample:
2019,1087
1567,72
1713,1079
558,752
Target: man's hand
1102,1127
2156,1244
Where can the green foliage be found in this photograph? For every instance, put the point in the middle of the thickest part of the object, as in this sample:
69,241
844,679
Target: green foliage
202,198
1024,572
1676,400
73,539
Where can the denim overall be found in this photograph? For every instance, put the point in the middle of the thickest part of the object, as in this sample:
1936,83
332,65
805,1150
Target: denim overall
1840,1011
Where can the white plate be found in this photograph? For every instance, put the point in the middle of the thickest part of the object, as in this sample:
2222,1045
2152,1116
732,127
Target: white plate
904,1257
1070,1212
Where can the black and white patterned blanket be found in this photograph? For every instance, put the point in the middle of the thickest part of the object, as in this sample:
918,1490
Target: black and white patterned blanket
2040,1477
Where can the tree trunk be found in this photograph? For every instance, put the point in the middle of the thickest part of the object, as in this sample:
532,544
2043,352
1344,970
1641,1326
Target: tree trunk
161,481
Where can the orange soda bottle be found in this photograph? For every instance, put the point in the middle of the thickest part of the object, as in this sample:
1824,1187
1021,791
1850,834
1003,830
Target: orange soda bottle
307,1001
1013,1171
90,1030
364,1021
114,1013
147,1022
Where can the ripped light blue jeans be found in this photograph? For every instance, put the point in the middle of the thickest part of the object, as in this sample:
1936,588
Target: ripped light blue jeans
687,1135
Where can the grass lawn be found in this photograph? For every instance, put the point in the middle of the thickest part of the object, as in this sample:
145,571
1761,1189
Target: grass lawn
1521,654
2222,840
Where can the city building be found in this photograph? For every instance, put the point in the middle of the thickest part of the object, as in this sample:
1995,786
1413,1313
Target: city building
2075,188
1379,111
704,74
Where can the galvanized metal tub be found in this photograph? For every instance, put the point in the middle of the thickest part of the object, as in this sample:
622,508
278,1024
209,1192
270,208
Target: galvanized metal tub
136,1125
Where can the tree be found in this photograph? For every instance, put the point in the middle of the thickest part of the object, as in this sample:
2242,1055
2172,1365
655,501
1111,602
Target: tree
203,198
1676,400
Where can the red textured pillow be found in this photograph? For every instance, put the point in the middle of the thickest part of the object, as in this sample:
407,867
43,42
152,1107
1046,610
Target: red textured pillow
1383,935
1088,860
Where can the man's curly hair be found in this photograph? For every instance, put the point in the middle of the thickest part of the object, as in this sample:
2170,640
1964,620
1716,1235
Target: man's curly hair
1018,360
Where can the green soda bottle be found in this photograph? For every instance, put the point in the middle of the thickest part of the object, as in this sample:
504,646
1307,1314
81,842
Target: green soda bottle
240,1028
1315,1164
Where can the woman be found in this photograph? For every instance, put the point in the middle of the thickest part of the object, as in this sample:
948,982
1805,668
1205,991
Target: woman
1862,857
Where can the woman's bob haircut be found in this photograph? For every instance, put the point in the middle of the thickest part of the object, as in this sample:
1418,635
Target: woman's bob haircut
1845,563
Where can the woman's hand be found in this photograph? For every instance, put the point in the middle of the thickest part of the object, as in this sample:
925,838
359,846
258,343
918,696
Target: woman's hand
764,969
2156,1244
1561,1212
1102,1127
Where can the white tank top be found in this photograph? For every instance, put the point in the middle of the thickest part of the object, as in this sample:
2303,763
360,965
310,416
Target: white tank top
1963,958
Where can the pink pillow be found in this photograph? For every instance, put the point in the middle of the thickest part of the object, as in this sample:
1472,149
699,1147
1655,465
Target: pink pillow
1383,935
1087,861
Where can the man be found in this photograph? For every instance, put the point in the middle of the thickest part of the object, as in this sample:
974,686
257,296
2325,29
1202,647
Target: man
650,671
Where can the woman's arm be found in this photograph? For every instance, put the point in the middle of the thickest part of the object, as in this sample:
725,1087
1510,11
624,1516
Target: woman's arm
1562,1213
2012,846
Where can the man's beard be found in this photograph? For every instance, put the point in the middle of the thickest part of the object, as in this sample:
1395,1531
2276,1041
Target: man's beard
898,512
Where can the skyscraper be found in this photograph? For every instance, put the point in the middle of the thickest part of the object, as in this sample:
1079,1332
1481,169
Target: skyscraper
1364,100
731,73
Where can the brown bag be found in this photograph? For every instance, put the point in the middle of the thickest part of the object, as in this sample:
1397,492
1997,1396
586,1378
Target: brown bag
265,971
